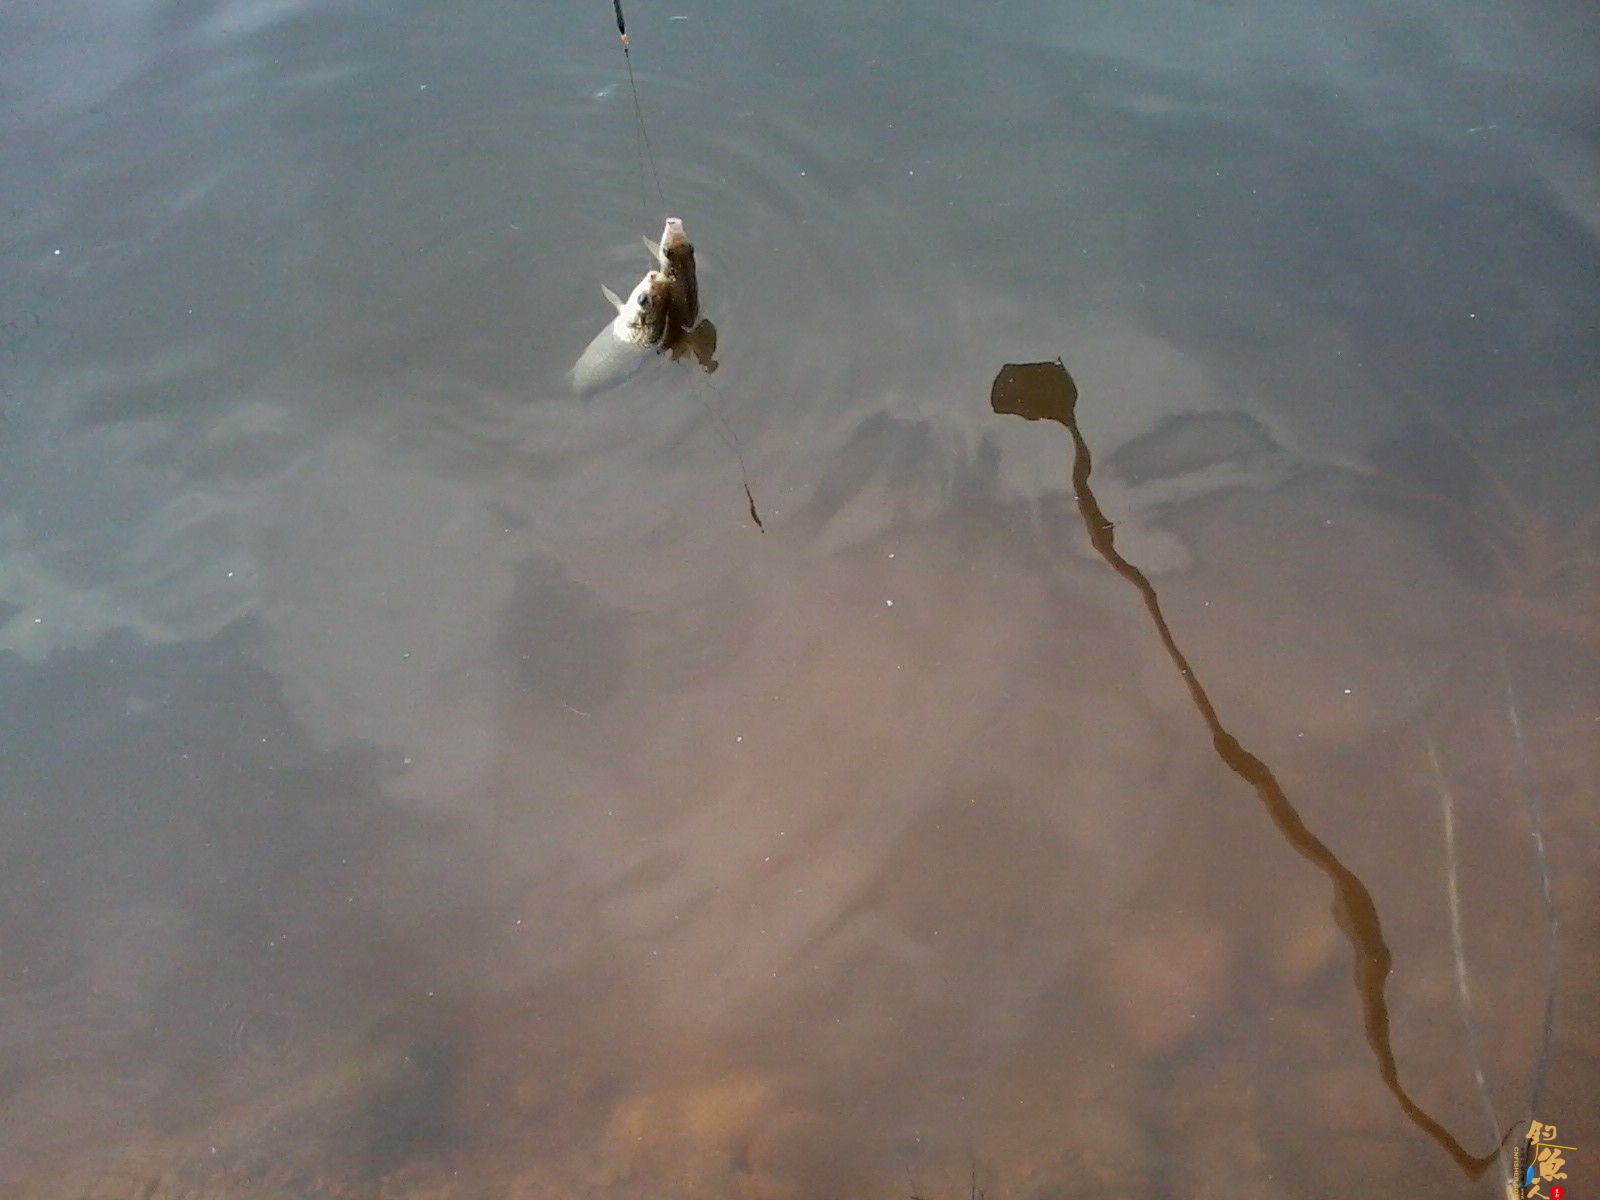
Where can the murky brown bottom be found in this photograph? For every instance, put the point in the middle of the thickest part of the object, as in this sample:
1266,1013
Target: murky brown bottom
798,779
975,1001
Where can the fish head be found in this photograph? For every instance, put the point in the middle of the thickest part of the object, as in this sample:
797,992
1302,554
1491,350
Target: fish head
673,233
677,263
677,251
643,318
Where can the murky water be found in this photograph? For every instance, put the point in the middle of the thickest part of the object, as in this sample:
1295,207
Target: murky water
416,782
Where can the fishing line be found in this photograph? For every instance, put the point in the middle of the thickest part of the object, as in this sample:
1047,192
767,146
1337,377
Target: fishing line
730,439
1458,945
1531,803
647,154
646,151
1534,809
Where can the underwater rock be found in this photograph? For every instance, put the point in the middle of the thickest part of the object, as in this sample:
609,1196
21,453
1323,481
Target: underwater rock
1166,981
1214,1131
1301,941
1186,443
1348,1098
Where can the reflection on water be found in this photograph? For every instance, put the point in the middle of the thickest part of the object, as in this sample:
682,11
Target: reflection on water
415,782
1045,391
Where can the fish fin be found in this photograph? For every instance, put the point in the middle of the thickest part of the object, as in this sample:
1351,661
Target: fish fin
612,298
655,251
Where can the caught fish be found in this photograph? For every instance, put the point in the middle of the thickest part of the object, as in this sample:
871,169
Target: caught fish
675,255
634,334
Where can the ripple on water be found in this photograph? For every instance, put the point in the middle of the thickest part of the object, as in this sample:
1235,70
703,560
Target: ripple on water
797,252
261,1036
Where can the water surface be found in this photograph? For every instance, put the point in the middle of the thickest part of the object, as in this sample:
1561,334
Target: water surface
417,782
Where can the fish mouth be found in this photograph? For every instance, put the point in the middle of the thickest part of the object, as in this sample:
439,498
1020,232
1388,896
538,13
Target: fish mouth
673,235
